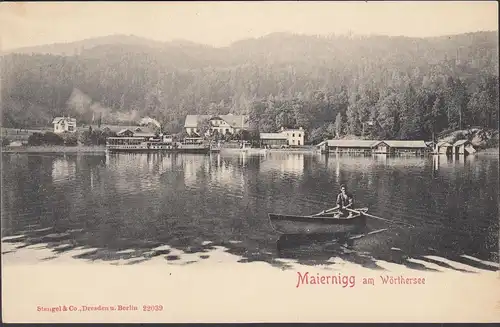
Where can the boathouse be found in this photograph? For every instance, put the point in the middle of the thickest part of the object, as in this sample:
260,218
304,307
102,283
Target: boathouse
443,148
273,140
463,147
292,137
347,146
400,147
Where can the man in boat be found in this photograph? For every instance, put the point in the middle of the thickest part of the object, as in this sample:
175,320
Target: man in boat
345,201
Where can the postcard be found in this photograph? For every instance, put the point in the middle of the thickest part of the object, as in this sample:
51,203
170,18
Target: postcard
250,162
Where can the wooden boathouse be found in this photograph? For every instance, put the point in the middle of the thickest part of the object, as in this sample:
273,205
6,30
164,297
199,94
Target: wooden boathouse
463,147
400,147
273,140
374,147
444,148
346,146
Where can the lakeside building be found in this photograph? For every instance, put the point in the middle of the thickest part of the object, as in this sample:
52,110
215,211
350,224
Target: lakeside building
64,124
347,146
463,147
373,147
285,137
137,132
400,147
273,140
443,148
223,124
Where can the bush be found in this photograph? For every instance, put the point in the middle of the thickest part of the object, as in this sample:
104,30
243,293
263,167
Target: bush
48,138
95,137
35,139
53,139
70,139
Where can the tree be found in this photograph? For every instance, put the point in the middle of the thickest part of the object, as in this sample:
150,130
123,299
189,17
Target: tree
389,116
204,127
338,125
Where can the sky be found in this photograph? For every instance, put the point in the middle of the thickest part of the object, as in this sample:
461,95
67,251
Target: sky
221,23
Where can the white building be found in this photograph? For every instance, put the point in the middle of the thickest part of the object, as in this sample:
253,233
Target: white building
64,124
223,124
285,137
294,136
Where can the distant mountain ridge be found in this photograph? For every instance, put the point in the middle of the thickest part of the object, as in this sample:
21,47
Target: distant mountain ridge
76,47
72,48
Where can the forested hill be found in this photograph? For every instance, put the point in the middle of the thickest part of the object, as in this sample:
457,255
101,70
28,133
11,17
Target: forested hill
391,87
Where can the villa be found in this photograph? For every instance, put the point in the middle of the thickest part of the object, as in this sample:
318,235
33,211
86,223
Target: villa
64,124
223,124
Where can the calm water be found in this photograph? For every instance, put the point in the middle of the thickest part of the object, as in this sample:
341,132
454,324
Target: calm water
138,202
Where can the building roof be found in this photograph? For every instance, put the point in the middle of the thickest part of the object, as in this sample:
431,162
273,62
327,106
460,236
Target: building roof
235,121
299,129
122,128
351,143
373,143
137,134
404,144
443,143
460,142
273,136
59,119
193,120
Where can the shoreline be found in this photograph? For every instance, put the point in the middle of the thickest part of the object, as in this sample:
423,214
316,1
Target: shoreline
102,150
56,149
264,151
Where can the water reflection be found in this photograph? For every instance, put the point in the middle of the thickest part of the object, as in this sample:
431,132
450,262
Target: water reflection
284,163
194,166
442,162
63,170
184,207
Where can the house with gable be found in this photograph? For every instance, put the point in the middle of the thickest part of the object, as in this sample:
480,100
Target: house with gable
223,124
64,124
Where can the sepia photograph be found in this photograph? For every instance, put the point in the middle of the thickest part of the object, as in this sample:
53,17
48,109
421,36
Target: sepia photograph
245,162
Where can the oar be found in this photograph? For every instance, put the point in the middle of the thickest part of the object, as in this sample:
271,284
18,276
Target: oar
376,217
324,211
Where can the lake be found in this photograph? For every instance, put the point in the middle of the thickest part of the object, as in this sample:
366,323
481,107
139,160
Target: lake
127,206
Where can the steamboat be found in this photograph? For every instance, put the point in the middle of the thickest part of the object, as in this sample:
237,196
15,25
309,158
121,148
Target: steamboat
161,143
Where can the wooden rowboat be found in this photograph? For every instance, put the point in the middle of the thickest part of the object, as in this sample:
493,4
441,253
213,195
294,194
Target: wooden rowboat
329,223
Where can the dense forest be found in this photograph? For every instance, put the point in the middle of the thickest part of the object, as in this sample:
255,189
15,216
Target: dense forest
363,86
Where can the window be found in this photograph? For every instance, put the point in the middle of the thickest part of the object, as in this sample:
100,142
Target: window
293,135
299,135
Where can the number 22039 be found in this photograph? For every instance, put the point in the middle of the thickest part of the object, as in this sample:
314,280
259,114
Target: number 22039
156,307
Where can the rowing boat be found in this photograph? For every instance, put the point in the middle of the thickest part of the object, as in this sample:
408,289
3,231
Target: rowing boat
322,223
